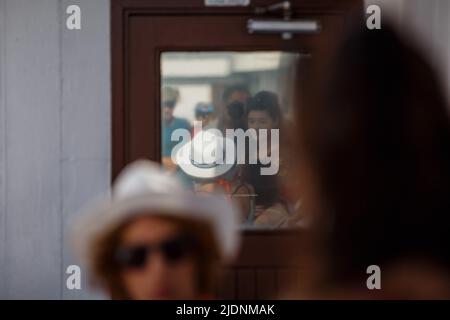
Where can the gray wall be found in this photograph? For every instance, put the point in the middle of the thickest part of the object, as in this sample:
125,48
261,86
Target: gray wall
54,137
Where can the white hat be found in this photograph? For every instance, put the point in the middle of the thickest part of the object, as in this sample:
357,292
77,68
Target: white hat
144,186
216,155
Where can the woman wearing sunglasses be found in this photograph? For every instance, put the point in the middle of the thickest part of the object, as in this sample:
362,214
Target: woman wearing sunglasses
153,240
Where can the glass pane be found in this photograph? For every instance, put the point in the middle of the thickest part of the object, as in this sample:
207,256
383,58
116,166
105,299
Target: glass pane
223,117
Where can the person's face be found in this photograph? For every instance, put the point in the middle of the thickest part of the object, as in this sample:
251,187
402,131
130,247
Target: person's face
232,120
161,276
260,120
204,118
168,112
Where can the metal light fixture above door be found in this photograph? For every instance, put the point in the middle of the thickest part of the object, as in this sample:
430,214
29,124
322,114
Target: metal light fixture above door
286,26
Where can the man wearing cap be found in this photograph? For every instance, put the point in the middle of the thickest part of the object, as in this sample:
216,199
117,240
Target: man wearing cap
153,240
204,112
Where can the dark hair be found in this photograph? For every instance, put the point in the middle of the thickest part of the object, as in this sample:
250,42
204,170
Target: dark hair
267,187
232,89
377,132
265,101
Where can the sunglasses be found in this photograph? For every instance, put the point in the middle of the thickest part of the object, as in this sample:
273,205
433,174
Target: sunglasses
173,250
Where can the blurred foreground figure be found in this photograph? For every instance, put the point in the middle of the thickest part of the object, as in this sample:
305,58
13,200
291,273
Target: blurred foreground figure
154,240
375,170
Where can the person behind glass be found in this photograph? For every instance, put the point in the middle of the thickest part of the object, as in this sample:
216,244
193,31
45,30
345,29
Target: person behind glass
263,112
204,112
234,98
169,100
375,170
232,117
153,240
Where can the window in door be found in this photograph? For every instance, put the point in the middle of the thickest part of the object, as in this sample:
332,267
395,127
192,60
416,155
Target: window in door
225,117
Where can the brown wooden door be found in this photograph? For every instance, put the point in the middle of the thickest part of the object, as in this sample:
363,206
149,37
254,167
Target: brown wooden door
141,32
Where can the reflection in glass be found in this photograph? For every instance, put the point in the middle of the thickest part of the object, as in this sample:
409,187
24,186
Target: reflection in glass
223,118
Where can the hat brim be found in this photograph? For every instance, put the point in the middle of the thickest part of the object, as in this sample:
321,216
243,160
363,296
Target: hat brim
183,158
107,215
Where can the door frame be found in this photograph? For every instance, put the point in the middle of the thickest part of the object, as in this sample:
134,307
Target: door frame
122,10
